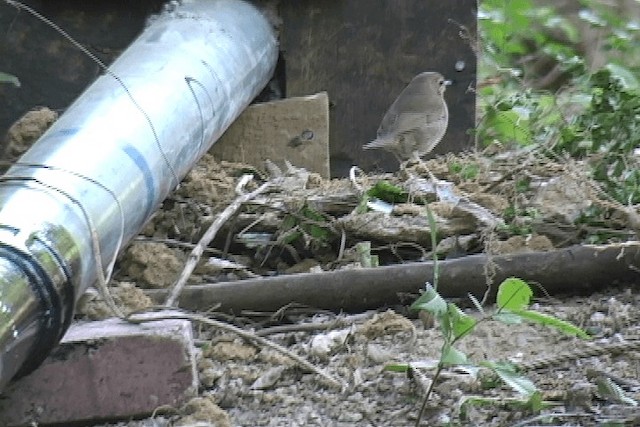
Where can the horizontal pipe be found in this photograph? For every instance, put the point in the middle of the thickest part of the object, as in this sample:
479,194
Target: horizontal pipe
98,174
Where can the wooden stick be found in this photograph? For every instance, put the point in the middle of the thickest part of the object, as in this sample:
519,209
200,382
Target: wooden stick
572,270
208,236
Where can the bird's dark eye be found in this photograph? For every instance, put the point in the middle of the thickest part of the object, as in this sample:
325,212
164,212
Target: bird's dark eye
440,82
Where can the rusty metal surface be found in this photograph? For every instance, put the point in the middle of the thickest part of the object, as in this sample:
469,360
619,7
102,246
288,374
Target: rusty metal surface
363,53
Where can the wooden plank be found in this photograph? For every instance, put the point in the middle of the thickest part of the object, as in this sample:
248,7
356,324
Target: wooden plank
293,129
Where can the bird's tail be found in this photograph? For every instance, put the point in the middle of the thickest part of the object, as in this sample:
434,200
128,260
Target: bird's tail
379,143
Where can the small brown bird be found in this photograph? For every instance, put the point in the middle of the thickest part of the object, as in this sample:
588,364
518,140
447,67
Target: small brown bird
416,121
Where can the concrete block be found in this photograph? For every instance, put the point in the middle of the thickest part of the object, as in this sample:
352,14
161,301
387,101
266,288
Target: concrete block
295,129
106,370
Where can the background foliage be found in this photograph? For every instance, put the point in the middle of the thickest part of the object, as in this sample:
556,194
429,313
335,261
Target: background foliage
565,84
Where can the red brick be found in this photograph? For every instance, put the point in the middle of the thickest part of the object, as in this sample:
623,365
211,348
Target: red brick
104,371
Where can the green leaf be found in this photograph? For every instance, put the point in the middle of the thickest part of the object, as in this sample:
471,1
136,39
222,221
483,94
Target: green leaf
612,392
387,192
507,373
592,17
461,323
291,237
554,322
510,125
397,367
316,231
288,222
624,76
430,301
514,294
451,356
507,317
8,78
417,364
535,402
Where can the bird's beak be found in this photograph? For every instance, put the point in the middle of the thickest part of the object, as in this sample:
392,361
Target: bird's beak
448,82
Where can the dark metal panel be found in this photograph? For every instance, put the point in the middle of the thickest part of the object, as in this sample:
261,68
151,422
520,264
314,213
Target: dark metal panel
53,72
363,52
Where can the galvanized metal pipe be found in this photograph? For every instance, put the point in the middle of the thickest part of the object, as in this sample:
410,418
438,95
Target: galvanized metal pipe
103,168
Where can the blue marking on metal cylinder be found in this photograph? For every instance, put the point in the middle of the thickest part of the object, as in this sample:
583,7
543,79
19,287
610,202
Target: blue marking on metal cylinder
61,133
142,164
67,132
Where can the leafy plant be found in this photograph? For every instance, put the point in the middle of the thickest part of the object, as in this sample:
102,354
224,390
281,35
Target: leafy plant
590,112
466,171
512,301
518,221
307,224
610,127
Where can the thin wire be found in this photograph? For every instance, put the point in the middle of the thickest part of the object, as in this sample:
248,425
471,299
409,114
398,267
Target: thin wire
102,279
190,80
111,265
104,68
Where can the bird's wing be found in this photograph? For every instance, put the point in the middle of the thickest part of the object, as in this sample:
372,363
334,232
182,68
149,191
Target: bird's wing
394,123
409,111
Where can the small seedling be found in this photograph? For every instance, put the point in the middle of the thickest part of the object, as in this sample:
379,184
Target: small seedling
513,298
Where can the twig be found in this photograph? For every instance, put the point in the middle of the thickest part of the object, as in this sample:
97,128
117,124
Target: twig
146,316
353,178
208,236
338,322
428,393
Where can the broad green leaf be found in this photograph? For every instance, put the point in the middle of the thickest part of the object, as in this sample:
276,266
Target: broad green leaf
430,301
513,379
452,356
288,222
514,294
317,232
510,125
554,322
507,317
624,75
535,402
461,323
612,392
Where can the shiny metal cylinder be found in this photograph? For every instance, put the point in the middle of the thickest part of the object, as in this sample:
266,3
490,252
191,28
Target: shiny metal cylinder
97,175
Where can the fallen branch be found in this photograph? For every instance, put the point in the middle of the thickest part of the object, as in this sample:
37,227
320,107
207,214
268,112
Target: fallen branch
573,270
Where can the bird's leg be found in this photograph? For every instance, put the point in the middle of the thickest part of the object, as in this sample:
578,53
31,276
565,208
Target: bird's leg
415,157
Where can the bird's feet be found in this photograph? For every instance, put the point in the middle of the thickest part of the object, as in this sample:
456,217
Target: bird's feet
417,165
